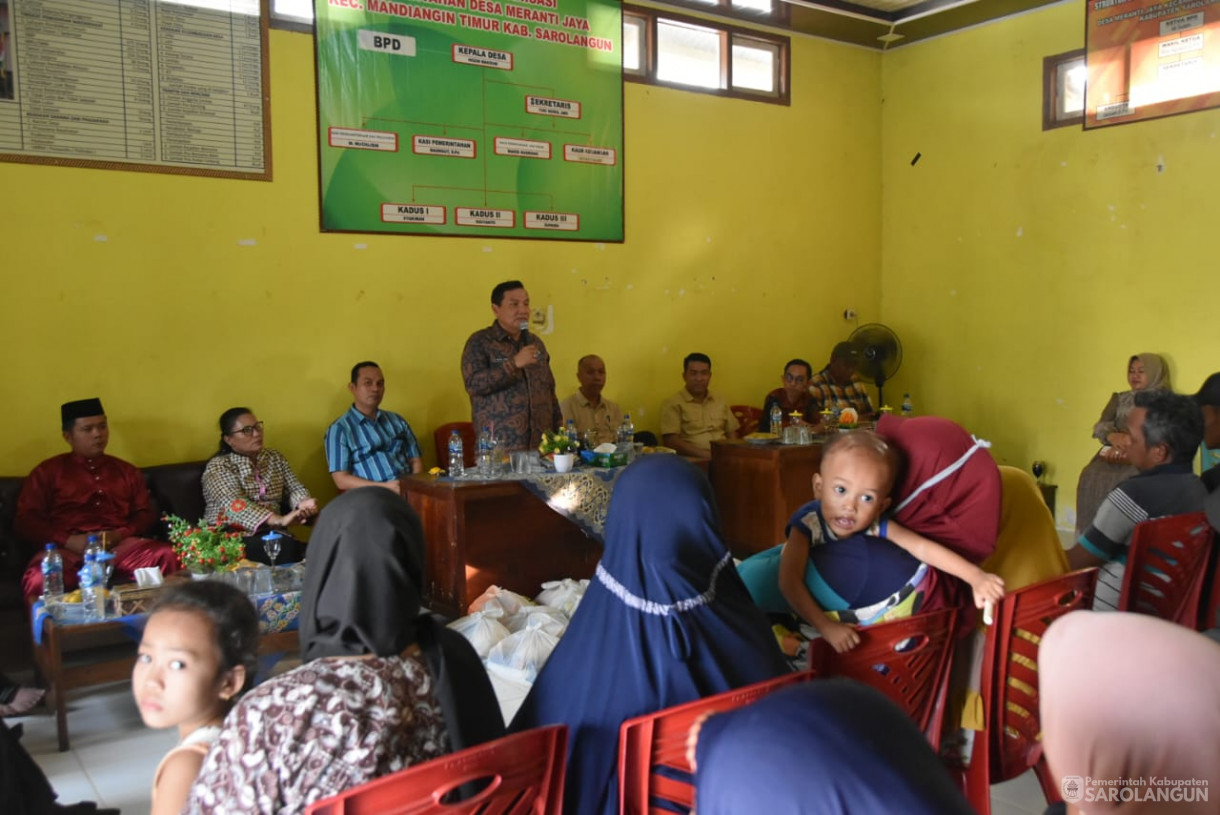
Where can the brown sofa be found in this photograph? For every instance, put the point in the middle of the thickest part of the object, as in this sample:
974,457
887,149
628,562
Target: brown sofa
175,488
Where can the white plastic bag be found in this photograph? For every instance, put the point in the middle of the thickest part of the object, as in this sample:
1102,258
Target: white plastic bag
550,620
509,601
564,595
482,629
519,657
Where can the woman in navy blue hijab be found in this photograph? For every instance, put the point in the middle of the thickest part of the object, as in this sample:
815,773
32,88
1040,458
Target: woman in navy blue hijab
666,620
831,746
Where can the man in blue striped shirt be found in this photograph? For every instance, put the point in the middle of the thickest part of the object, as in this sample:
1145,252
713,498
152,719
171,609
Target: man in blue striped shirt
367,446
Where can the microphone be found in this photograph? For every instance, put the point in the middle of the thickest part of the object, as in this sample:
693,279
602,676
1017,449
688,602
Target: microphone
524,325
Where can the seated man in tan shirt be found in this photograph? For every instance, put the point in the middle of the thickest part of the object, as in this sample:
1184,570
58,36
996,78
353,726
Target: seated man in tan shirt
586,407
694,417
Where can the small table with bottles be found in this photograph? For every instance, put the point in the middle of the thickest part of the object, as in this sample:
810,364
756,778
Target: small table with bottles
71,653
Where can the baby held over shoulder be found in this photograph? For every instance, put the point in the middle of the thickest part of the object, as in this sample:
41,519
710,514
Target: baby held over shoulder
885,572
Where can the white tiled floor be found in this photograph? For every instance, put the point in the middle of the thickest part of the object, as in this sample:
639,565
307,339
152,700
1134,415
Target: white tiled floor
113,755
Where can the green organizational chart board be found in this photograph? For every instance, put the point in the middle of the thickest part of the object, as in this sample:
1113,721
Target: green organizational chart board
485,118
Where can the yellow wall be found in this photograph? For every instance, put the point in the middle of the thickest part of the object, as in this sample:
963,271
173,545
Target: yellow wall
143,288
1020,267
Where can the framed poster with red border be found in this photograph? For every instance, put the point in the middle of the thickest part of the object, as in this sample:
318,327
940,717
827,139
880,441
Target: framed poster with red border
1148,59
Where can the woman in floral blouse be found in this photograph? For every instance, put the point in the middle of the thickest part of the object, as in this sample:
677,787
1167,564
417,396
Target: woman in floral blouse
254,489
381,686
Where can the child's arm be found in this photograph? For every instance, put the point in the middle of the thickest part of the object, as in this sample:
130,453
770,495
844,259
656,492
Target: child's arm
985,586
792,563
173,783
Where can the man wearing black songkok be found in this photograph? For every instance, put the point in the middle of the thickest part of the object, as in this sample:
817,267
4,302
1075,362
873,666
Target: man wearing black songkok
85,492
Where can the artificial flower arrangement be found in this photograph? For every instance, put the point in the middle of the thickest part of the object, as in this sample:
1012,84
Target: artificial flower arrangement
204,548
557,441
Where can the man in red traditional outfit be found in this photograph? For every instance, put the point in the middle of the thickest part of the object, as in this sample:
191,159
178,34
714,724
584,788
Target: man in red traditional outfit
86,492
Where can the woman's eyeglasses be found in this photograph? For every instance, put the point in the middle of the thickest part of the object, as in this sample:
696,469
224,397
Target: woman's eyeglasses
247,431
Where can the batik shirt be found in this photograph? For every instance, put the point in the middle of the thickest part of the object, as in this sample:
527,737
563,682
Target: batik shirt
827,393
518,404
325,727
248,491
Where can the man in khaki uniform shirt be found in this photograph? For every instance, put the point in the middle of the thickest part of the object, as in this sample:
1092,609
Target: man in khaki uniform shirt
694,417
587,407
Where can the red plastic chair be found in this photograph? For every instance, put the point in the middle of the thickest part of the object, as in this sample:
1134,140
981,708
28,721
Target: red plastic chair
1166,567
525,770
748,417
653,773
440,437
1011,742
915,653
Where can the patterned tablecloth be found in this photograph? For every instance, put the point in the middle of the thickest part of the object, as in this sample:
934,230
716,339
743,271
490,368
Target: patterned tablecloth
276,613
582,496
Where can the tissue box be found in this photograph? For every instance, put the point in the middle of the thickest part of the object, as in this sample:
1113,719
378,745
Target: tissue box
132,599
615,459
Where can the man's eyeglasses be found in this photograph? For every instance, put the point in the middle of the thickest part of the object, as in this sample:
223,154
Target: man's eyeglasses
247,431
791,378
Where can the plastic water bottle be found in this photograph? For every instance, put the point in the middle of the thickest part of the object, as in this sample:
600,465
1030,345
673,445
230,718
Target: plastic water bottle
626,430
93,546
486,448
777,418
572,435
907,409
90,595
52,577
457,458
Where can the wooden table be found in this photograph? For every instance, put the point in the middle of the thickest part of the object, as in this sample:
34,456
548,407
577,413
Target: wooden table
484,533
105,652
758,487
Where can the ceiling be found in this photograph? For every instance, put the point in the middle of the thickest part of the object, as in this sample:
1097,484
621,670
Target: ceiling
880,24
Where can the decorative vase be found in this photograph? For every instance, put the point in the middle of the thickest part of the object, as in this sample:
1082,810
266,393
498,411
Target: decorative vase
564,462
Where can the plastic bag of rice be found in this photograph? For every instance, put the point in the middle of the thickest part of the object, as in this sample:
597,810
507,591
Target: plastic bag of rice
564,595
519,657
551,620
482,629
509,601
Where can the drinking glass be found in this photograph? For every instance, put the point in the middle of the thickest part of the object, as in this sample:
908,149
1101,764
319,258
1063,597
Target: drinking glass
271,543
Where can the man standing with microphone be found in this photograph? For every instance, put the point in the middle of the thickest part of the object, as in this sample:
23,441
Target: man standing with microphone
507,373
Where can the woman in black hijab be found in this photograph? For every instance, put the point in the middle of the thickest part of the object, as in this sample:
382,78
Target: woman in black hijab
381,687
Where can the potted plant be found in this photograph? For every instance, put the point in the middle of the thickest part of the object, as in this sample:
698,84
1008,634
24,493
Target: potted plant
556,446
204,549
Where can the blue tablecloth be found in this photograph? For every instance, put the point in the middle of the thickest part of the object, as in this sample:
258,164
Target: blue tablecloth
582,496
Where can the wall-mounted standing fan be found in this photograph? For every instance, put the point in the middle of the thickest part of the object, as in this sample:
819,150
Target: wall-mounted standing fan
879,354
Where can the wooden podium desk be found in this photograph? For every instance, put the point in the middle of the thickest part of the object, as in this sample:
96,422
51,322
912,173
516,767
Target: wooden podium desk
484,533
758,487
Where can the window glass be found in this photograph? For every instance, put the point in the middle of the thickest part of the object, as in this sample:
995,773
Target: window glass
763,6
754,65
295,10
634,41
688,54
1071,76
